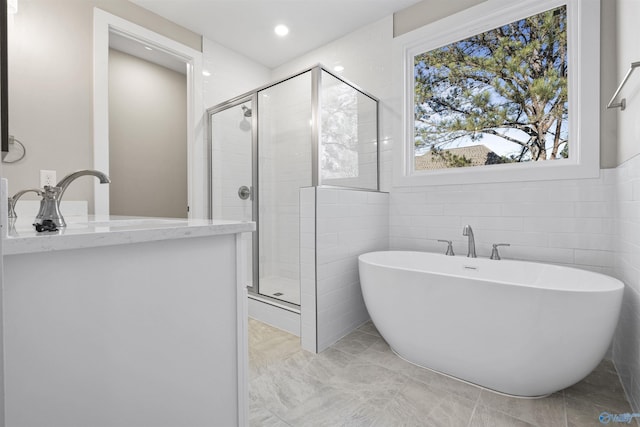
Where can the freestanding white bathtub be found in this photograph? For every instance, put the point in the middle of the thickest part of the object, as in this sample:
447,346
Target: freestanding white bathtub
520,328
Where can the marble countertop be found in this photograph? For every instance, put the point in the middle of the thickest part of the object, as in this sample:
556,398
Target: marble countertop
95,231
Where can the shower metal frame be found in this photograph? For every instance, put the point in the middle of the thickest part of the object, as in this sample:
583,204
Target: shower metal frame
316,181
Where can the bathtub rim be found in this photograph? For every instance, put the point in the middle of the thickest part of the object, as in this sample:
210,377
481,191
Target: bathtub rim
613,284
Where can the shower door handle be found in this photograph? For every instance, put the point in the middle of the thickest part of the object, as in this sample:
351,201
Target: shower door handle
244,192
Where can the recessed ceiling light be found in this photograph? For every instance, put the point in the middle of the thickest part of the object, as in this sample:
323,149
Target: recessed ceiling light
148,48
206,73
281,30
338,68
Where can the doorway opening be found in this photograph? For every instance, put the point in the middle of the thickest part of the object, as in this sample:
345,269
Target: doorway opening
110,30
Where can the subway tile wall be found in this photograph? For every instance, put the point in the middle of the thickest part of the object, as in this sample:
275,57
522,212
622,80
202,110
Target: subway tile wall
308,319
348,136
366,56
336,225
284,166
348,223
565,222
626,261
230,148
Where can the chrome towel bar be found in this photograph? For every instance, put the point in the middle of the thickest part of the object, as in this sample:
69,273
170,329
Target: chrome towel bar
623,103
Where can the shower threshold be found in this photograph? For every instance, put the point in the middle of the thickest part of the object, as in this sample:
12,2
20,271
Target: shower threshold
274,302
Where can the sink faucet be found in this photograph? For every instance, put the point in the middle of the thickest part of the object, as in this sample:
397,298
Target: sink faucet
467,231
51,197
14,199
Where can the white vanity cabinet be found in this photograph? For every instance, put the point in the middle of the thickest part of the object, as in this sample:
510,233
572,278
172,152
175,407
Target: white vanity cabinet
133,324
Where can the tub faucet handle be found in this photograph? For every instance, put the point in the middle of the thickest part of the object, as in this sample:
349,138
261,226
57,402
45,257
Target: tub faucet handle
494,252
449,247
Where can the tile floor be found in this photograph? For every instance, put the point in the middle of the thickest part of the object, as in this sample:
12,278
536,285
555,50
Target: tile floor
360,382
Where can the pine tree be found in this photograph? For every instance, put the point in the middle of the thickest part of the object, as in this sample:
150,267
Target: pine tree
510,82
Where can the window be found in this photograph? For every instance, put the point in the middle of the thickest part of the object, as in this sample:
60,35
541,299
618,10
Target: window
501,92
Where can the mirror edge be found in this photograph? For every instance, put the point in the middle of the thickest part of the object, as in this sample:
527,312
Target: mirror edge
4,80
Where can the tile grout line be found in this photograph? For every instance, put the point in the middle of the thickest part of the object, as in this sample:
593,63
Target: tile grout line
564,406
473,413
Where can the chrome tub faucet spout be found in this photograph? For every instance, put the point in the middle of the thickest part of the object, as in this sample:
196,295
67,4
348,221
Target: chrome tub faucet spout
51,197
467,231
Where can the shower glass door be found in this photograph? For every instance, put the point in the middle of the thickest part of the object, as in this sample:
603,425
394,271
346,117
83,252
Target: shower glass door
232,177
284,166
261,155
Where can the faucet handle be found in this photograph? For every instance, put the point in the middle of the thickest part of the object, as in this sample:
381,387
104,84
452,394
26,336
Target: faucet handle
449,247
494,251
11,212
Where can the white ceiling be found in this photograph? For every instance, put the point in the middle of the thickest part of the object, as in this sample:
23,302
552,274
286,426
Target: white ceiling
246,26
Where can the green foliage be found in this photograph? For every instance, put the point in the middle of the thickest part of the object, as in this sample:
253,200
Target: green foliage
451,160
509,82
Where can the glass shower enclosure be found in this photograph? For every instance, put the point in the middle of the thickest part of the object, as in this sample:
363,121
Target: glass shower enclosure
310,129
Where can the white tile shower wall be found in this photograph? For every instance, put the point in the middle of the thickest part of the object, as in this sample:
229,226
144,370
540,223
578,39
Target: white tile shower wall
566,222
231,75
285,166
231,166
626,348
365,55
308,331
348,224
348,136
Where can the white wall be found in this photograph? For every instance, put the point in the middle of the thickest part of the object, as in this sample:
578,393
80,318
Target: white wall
349,223
348,136
626,351
365,55
308,289
51,85
284,167
561,222
232,74
147,138
337,225
628,51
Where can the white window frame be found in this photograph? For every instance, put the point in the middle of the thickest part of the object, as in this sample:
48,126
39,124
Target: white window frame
583,39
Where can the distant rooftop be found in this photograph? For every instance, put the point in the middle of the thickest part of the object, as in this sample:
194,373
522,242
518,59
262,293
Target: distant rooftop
477,155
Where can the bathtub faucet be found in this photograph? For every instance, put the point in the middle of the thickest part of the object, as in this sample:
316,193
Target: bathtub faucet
467,231
51,197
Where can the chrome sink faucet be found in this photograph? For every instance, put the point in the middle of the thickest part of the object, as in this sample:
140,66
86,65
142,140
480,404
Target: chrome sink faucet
14,199
467,231
51,196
